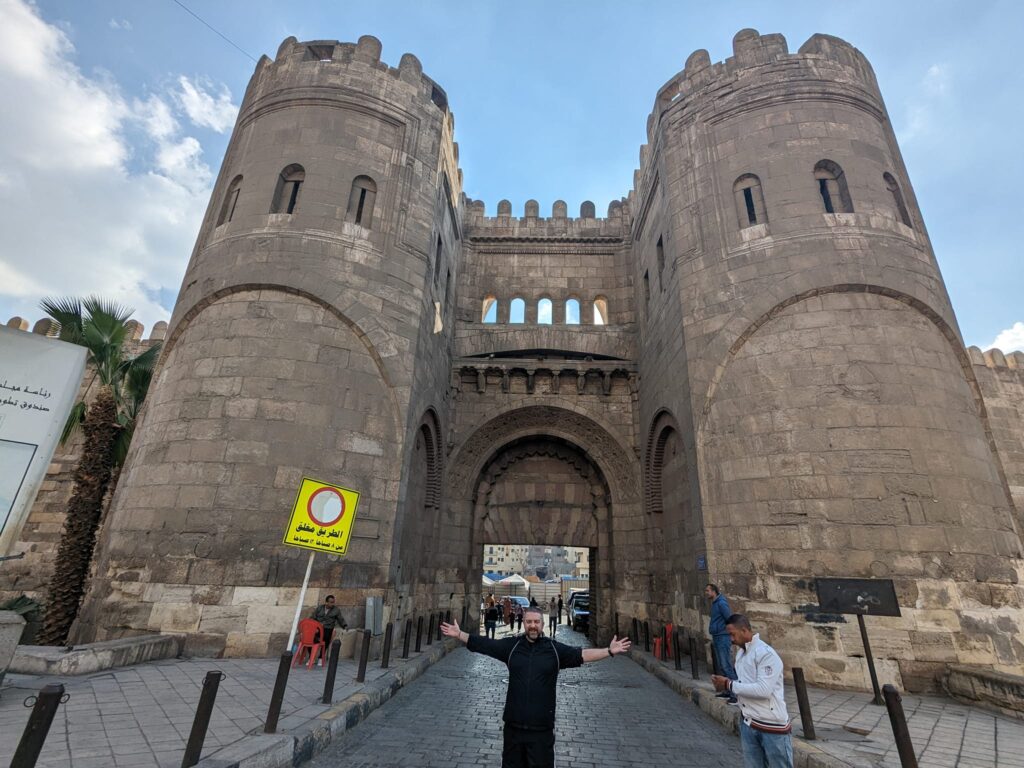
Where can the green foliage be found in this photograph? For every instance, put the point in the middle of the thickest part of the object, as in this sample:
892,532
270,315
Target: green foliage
21,605
101,326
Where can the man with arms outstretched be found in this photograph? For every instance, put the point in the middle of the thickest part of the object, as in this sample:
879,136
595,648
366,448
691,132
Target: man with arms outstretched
534,662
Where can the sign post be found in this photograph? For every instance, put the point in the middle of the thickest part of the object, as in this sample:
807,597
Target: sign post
321,521
862,597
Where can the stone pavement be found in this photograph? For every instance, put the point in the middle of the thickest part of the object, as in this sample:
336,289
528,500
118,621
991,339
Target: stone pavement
855,732
140,716
611,714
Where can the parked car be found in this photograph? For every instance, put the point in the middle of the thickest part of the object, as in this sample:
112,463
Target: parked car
580,595
523,601
579,613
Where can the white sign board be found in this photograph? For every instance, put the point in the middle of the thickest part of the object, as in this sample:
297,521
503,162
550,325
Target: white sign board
39,381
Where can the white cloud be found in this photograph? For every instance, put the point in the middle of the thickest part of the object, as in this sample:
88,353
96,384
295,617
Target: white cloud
205,109
923,111
120,24
544,312
1009,340
88,202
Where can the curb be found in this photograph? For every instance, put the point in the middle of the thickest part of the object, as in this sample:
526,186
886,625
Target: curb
702,694
301,744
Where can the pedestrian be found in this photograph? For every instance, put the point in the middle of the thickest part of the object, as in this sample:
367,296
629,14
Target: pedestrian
501,612
534,663
552,616
519,618
329,617
491,619
533,602
560,608
721,643
764,726
510,618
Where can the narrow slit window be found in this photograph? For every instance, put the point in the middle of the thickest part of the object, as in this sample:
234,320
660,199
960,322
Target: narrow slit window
661,263
361,201
835,194
437,258
289,185
897,198
750,208
227,210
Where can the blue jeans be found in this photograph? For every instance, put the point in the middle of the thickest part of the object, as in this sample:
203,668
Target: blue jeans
765,750
723,655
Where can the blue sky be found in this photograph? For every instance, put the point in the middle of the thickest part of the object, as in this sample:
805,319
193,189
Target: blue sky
125,108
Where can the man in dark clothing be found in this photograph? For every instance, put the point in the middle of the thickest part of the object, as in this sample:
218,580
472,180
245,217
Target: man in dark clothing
534,662
561,607
330,616
720,640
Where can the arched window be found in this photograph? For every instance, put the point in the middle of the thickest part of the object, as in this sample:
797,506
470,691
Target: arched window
600,311
749,201
360,202
489,310
832,187
286,193
544,312
572,312
227,209
897,197
517,311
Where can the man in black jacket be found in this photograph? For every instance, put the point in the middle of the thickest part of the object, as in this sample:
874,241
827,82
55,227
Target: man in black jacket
534,662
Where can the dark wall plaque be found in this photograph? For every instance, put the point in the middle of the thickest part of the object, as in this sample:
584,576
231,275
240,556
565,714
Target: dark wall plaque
868,597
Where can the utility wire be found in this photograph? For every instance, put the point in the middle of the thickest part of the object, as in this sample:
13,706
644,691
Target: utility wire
213,29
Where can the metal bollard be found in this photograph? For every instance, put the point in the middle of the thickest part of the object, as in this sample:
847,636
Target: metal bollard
647,636
201,723
636,631
407,638
465,617
803,703
332,672
385,655
693,659
676,650
364,656
448,620
894,703
419,633
447,617
280,684
38,726
430,630
616,623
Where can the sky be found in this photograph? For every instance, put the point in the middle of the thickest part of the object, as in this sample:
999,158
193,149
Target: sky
117,115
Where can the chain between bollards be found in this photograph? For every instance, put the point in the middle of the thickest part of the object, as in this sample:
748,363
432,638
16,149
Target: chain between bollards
693,659
904,746
804,704
201,723
39,721
407,638
364,656
332,672
385,655
277,697
419,633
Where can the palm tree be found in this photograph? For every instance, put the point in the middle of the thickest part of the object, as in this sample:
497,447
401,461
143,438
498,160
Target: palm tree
107,424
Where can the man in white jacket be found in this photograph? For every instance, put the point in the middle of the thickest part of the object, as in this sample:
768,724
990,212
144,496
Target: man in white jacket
765,727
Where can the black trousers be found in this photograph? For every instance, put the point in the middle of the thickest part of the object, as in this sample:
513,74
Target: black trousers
527,749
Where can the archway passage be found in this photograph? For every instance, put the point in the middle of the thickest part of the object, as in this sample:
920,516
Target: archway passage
543,490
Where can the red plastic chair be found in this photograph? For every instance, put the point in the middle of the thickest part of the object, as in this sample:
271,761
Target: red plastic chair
311,638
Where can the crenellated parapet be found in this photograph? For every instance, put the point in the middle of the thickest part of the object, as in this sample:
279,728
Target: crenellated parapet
558,225
50,327
996,358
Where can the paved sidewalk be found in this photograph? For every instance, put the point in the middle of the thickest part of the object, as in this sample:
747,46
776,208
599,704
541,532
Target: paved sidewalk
140,716
855,732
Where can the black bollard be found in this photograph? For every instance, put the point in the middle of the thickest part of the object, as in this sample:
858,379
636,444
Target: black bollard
430,630
280,684
676,650
385,655
201,723
38,726
693,659
894,703
407,638
647,636
636,631
616,623
364,656
465,617
448,620
419,633
803,703
332,672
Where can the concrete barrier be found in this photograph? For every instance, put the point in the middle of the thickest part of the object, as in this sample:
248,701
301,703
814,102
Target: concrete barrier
93,657
11,627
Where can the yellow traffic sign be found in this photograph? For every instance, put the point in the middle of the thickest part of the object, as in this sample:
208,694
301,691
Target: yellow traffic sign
322,517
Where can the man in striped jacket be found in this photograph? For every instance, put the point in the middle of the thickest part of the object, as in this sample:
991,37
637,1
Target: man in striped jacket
765,728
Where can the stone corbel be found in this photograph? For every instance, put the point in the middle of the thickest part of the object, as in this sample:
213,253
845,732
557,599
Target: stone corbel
581,382
530,381
481,380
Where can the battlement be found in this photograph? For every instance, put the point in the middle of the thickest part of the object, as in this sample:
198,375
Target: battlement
995,358
320,62
559,225
50,327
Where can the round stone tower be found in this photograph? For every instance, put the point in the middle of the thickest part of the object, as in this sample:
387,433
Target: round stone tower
292,351
837,427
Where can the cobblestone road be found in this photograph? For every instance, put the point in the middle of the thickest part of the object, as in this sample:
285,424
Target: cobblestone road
611,714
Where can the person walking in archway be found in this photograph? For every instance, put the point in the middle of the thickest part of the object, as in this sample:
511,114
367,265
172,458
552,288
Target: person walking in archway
534,662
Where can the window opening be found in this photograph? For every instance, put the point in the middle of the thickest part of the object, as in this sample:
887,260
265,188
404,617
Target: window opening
749,201
361,200
437,259
517,311
748,198
832,187
661,263
600,311
544,311
227,210
897,197
572,312
286,195
489,311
